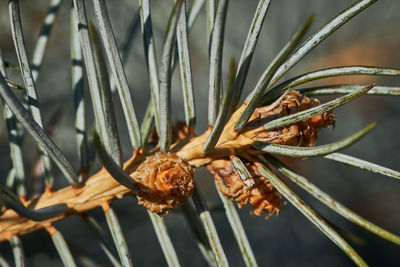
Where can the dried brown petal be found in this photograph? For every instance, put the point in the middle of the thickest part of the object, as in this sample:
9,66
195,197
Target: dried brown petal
256,191
166,181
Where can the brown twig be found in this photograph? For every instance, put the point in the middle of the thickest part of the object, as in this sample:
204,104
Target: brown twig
102,188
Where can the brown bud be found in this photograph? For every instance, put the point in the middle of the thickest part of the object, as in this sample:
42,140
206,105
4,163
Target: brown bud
166,181
303,133
255,190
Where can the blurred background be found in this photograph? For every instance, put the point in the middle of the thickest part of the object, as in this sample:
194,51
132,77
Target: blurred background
289,239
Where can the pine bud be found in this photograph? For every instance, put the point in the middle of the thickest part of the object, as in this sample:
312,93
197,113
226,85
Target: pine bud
166,181
255,190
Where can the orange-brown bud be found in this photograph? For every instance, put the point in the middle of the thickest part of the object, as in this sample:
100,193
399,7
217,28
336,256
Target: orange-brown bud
166,181
303,133
256,191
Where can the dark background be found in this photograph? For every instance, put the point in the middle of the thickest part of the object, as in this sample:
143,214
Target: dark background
371,38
